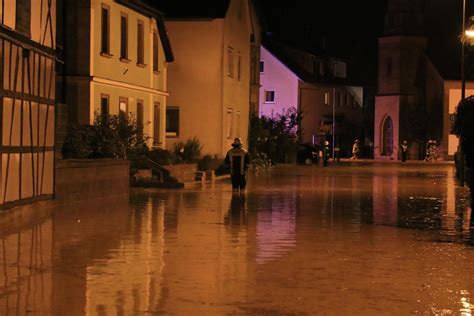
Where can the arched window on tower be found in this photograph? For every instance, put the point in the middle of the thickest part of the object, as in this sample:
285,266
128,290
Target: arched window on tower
387,136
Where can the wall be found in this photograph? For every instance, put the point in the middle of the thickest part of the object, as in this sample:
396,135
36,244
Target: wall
78,180
236,92
182,172
279,78
194,81
452,96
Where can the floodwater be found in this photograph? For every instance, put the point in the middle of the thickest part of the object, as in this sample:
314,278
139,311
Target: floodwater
356,239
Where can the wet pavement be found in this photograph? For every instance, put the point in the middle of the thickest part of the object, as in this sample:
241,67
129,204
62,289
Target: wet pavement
356,239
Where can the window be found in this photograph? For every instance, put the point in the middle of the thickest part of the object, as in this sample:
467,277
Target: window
23,18
262,66
140,43
123,36
326,97
239,63
238,124
230,62
389,67
104,44
229,123
155,52
156,124
123,108
140,124
172,121
269,96
104,107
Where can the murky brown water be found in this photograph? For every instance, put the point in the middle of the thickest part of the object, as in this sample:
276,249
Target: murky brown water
364,240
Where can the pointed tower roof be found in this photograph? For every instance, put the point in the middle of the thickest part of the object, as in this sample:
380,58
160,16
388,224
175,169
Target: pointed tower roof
404,17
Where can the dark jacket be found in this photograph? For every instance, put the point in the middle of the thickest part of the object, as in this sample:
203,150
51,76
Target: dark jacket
238,160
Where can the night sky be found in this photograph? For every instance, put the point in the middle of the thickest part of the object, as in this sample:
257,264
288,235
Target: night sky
351,29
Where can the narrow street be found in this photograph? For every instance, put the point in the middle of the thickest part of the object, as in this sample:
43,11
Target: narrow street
352,239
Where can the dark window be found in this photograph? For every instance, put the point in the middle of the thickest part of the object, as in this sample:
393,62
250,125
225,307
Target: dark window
104,107
104,46
140,43
140,118
123,37
156,124
23,16
270,96
389,67
239,64
387,137
155,51
262,66
172,121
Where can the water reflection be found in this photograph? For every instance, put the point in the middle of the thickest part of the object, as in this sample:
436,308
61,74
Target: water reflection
344,240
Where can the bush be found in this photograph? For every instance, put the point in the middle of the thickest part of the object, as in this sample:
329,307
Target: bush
160,156
112,137
275,136
188,152
78,142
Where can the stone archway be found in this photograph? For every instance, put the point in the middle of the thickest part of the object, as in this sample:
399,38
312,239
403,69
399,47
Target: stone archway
386,136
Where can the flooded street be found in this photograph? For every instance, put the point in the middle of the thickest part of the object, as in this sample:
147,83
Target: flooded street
360,239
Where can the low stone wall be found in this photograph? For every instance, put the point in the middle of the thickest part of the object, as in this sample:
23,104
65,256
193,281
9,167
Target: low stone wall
182,172
78,180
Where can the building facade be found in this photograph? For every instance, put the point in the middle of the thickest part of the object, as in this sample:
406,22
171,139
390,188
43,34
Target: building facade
415,100
210,81
117,63
27,96
318,87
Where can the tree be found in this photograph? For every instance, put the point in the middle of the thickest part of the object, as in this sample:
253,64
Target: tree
276,136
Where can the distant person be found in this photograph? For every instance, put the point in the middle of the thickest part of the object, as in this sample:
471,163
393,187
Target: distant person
428,152
434,150
404,149
238,161
355,150
326,153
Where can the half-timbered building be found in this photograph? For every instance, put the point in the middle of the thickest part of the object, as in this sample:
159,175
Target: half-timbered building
27,99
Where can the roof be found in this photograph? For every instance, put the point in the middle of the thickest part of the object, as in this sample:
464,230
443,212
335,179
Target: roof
151,12
278,49
204,9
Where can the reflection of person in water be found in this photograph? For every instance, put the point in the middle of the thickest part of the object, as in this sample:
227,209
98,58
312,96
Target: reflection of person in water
237,210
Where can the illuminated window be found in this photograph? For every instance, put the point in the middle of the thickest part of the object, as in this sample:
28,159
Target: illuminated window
326,98
123,36
230,62
262,66
123,108
229,123
105,29
155,51
140,43
269,96
172,121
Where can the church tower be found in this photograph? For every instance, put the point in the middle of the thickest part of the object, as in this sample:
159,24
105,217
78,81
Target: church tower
400,78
